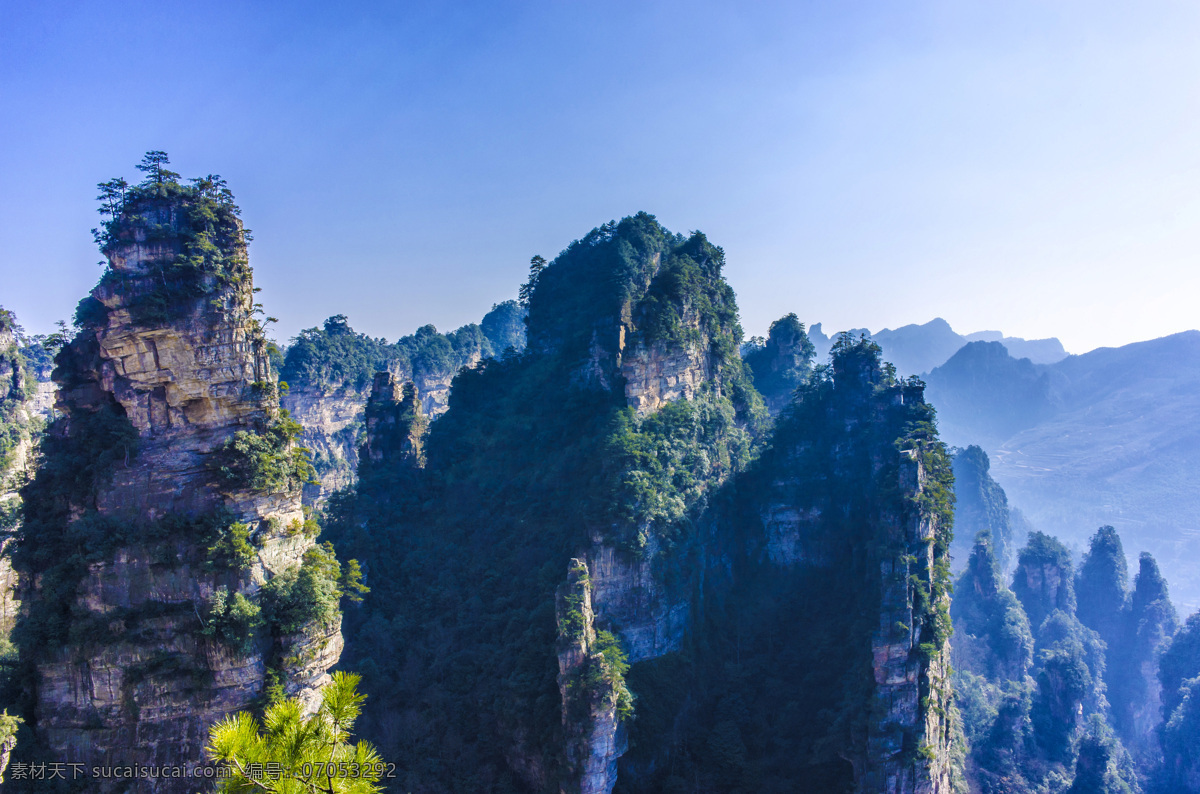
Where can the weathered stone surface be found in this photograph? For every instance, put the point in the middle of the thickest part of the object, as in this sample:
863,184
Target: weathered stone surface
395,424
899,670
656,376
20,412
907,743
627,595
596,736
332,424
146,684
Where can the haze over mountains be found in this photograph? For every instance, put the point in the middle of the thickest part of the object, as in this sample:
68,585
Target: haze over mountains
917,349
1107,437
1077,441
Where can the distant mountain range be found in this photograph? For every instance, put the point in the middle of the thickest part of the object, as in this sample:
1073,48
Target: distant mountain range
917,349
1077,441
1107,437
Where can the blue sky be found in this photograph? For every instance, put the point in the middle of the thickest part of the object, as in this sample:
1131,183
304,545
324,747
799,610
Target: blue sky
1029,167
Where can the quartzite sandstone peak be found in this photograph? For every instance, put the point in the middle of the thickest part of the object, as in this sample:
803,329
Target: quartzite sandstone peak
171,357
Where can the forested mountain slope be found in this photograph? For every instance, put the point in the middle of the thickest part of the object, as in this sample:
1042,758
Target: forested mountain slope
329,371
566,571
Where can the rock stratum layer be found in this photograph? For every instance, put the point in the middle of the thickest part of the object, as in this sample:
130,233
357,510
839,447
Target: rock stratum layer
170,499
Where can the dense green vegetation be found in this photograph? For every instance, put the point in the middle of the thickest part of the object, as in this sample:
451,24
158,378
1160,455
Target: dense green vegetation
266,459
456,640
992,634
197,227
19,375
335,356
782,361
735,711
1102,586
1079,713
70,523
981,506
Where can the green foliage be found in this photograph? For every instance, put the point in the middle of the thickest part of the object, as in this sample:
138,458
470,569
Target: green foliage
1027,734
293,754
605,673
667,461
760,705
234,620
308,595
536,265
689,283
1181,739
985,610
198,226
530,462
783,360
335,356
8,728
980,505
231,548
1045,579
504,327
1179,663
1102,586
1098,767
265,459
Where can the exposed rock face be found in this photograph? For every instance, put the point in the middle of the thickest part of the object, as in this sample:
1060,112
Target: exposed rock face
656,376
626,593
16,429
781,363
333,424
1044,581
902,676
145,682
596,737
16,413
847,502
395,423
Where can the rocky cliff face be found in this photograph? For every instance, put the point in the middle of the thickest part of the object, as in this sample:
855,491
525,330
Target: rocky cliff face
18,427
840,505
332,425
654,350
146,620
18,403
395,424
912,686
332,413
591,693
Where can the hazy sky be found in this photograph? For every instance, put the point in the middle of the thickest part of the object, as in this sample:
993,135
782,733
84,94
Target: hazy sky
1032,167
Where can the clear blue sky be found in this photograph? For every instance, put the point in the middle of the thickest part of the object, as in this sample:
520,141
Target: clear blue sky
1026,166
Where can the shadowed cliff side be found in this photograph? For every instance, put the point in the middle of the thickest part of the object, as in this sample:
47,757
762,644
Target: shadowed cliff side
821,661
595,450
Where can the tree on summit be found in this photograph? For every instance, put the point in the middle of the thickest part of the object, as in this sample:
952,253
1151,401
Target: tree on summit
536,265
152,166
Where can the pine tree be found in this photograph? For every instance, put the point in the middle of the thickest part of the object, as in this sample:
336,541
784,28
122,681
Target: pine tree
292,754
